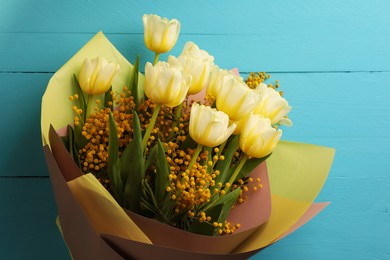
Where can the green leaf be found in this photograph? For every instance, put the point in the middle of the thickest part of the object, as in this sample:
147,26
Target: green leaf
205,228
166,204
80,102
150,205
79,139
133,165
228,200
134,83
152,157
65,141
224,204
114,164
72,146
162,174
147,199
223,166
250,165
108,98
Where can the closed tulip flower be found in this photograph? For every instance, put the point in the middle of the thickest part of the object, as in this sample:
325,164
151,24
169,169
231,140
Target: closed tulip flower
96,75
197,63
272,105
208,126
166,84
217,76
258,138
194,50
160,34
236,99
239,125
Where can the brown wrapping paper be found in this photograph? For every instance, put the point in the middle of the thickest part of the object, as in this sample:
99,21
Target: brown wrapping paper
85,242
79,234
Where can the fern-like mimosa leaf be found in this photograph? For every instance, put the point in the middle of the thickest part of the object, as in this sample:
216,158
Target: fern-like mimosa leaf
205,228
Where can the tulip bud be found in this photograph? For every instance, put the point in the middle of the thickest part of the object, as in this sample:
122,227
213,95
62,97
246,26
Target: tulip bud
194,50
216,80
160,34
258,138
236,99
96,75
198,63
272,105
208,126
239,125
166,84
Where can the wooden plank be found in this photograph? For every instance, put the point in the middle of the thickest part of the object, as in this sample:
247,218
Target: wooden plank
277,36
326,19
46,52
354,226
28,228
20,134
341,105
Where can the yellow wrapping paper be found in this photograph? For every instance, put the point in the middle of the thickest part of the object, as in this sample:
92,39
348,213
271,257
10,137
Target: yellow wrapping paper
100,207
55,101
297,172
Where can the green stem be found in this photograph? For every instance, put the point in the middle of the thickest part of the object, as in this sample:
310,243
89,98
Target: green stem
156,55
221,147
89,105
177,118
236,171
195,156
150,126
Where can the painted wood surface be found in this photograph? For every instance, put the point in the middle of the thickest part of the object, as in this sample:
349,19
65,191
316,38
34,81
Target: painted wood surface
333,62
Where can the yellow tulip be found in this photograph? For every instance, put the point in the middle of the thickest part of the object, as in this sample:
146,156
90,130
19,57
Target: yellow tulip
160,34
236,99
258,138
197,63
272,105
239,125
208,126
96,75
217,76
166,84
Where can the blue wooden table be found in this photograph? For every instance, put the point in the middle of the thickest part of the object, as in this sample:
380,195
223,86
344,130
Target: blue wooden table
332,59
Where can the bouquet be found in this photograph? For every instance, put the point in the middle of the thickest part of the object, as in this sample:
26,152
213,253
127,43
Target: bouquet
183,161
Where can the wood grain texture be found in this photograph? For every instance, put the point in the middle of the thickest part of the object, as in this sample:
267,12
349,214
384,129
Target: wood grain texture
332,60
276,36
199,17
28,221
30,52
20,137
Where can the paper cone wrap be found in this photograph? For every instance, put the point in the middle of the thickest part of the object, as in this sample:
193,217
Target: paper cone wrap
292,177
